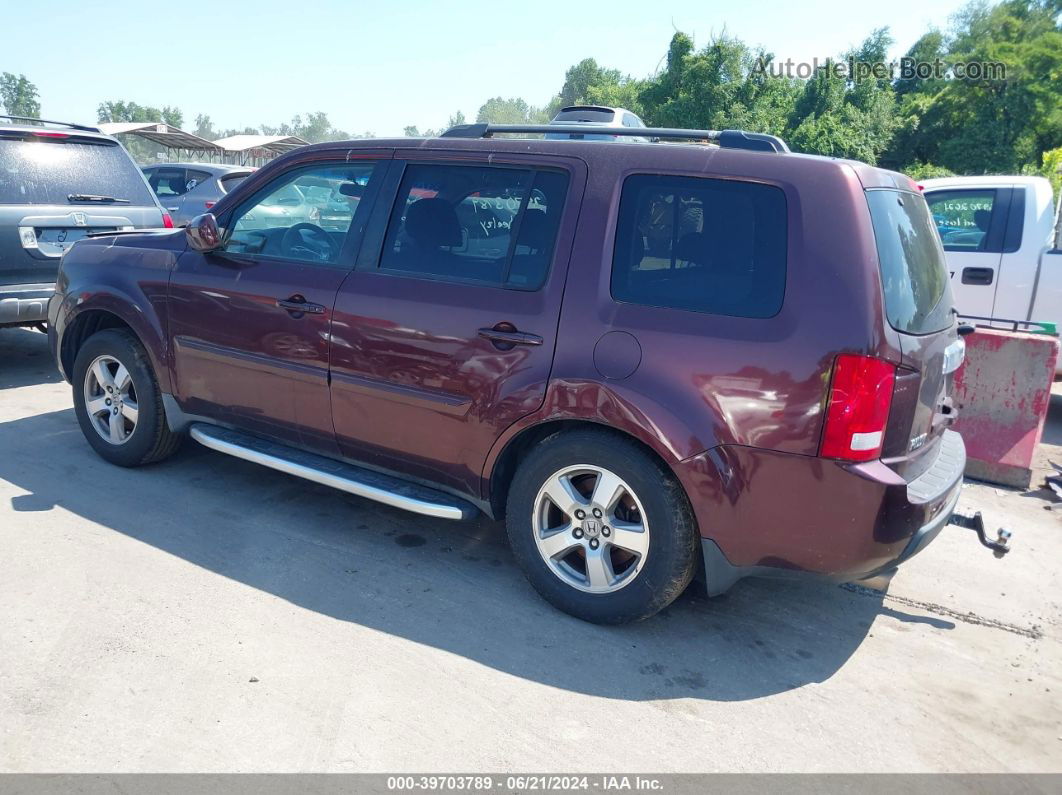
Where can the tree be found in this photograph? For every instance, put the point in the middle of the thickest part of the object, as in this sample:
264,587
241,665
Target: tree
314,128
204,128
579,78
413,131
921,171
130,111
508,111
18,96
914,140
853,115
990,124
724,85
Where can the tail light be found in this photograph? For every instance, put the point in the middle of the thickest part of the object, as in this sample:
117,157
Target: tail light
858,408
209,205
167,221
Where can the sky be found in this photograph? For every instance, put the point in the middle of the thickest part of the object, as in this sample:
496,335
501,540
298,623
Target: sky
376,67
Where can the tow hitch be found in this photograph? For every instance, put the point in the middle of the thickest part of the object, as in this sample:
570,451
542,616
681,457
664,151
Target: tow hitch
999,547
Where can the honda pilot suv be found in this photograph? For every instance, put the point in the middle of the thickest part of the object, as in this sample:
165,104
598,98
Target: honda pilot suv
648,358
59,183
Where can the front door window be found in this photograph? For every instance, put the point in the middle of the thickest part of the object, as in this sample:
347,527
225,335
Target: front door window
303,217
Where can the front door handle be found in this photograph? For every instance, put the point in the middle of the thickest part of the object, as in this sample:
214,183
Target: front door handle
977,275
299,305
505,337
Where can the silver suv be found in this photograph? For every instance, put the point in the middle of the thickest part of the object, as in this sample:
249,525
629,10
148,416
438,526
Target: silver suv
190,189
58,183
596,116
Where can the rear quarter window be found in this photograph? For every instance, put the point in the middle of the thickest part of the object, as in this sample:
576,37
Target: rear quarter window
701,245
229,183
911,259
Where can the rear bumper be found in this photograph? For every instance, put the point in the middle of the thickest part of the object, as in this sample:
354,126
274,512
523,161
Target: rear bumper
763,513
24,303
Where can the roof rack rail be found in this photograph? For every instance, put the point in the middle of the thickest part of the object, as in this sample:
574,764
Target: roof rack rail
728,139
71,125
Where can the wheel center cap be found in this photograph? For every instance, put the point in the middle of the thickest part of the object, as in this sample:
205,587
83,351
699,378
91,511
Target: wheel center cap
591,527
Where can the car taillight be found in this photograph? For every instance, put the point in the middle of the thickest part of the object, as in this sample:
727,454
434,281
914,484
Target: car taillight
167,221
209,205
858,408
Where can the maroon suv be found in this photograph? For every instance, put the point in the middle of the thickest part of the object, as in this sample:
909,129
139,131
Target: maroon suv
642,355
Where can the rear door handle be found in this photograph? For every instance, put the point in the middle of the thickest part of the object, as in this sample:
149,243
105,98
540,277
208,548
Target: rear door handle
298,304
977,275
507,340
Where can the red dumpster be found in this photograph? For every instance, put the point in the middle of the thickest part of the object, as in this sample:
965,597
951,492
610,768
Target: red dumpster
1002,392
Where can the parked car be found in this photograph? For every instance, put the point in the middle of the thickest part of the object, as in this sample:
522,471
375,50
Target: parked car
188,189
595,116
998,236
58,183
767,392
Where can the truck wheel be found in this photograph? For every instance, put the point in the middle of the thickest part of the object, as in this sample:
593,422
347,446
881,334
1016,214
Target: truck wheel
118,403
600,528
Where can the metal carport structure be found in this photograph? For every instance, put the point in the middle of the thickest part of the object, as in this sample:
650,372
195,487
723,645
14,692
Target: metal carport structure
255,150
172,138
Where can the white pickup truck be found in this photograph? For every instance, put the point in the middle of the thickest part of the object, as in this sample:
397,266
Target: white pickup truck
1000,243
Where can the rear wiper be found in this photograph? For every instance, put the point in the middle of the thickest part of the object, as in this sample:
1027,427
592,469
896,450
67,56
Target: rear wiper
92,197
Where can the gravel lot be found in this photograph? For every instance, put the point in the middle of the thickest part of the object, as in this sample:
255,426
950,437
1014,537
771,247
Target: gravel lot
206,614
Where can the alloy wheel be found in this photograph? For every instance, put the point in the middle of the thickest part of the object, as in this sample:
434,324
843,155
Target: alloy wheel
590,528
110,399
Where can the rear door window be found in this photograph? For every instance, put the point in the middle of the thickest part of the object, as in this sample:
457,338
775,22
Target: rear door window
913,273
965,219
194,178
702,245
49,171
169,182
476,224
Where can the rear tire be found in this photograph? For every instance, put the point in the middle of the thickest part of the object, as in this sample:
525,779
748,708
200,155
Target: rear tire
118,402
621,547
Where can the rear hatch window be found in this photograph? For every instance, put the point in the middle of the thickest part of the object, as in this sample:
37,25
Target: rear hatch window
911,258
598,115
49,171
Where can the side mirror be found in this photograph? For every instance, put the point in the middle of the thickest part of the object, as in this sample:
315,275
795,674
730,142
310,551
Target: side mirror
203,233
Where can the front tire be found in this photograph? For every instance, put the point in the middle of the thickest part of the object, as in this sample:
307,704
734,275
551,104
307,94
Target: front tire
118,402
601,529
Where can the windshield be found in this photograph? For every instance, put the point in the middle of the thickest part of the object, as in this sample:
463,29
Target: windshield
913,274
48,172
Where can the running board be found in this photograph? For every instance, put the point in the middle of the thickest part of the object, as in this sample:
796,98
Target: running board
329,472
